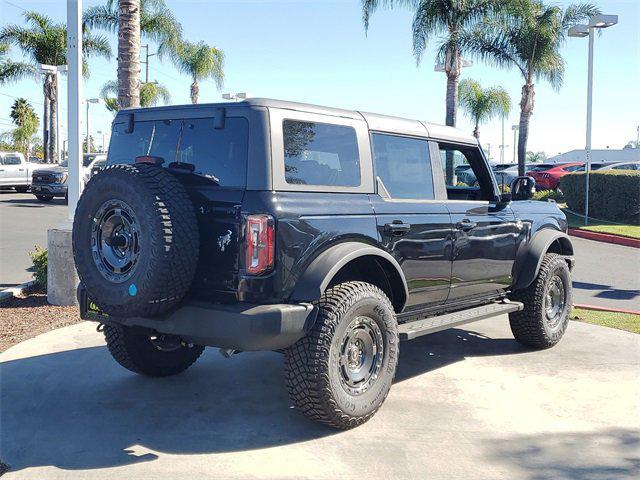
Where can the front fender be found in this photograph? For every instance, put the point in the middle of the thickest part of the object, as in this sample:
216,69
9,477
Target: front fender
529,257
321,271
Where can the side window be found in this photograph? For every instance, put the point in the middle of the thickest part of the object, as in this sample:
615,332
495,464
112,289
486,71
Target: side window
466,174
320,154
12,160
575,168
403,165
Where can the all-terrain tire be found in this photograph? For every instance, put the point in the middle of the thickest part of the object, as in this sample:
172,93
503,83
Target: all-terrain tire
44,198
314,374
162,240
533,326
135,351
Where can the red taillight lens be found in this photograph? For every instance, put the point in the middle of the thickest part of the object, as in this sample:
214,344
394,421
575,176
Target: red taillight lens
260,243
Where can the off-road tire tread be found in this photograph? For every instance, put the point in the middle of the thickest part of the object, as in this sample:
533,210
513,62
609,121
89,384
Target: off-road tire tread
526,325
307,361
181,240
120,350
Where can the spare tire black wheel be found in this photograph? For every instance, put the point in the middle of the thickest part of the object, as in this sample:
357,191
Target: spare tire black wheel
135,240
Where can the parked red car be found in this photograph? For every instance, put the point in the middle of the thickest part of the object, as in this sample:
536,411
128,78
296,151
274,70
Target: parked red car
547,175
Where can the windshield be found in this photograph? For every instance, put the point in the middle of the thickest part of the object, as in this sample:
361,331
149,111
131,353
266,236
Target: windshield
63,163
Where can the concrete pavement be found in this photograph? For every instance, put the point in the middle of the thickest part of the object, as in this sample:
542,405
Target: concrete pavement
467,403
24,222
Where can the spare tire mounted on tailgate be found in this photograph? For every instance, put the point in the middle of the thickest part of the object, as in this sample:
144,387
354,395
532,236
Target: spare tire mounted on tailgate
135,240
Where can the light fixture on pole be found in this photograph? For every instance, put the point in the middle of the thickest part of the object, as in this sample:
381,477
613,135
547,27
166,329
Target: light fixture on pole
579,31
88,101
101,132
236,97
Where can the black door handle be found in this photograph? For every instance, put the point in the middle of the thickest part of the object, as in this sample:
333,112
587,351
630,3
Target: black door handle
397,227
465,225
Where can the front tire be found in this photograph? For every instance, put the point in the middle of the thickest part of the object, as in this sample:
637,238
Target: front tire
153,356
547,304
342,371
44,198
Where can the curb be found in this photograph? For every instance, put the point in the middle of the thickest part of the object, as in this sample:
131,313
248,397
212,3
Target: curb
604,309
605,237
8,293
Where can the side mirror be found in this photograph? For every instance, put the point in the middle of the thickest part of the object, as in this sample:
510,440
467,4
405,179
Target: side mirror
523,188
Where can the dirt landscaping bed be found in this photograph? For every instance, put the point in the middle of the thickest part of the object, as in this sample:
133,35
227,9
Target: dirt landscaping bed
25,317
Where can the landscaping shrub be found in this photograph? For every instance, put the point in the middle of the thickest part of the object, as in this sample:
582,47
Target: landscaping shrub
39,258
546,195
613,194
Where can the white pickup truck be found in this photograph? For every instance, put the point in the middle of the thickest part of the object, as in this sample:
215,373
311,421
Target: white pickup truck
15,171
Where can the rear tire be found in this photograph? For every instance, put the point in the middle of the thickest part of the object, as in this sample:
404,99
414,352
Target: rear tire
342,371
136,351
44,198
22,189
547,304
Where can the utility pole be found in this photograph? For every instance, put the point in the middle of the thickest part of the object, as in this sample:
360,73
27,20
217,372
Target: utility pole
146,62
515,129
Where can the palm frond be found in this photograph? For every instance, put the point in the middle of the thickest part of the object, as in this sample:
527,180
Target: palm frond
199,61
104,17
13,71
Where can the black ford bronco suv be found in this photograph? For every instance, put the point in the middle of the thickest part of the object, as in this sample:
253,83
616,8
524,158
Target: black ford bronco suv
328,235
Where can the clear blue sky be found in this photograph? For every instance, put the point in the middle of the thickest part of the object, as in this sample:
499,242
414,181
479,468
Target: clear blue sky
316,51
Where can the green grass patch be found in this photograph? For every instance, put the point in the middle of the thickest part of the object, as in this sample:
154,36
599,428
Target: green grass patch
621,321
602,226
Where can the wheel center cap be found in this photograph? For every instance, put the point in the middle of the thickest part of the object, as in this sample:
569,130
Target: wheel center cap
355,354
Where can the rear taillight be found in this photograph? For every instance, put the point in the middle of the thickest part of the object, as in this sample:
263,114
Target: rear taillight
260,243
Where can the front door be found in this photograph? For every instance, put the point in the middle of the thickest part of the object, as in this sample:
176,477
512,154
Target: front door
413,226
485,229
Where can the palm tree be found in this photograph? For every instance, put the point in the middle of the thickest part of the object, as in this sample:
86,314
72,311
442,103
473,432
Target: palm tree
529,37
26,121
11,71
151,93
45,42
483,104
451,19
199,61
131,19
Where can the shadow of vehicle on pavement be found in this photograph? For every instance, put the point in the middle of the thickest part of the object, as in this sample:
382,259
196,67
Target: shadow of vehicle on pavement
78,409
607,291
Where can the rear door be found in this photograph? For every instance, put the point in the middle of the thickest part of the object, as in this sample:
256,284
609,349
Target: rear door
14,170
485,230
413,226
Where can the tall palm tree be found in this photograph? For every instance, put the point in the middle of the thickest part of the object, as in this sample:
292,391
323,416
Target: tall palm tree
529,38
131,19
45,42
449,19
11,71
199,61
483,104
151,93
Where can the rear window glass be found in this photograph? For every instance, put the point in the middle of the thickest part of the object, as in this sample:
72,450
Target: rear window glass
12,160
541,167
320,154
218,154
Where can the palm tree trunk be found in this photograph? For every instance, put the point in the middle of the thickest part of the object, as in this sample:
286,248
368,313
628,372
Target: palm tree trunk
452,69
129,53
526,109
476,131
53,134
45,119
195,90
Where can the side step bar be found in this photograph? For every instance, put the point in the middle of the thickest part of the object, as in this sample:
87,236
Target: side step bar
417,328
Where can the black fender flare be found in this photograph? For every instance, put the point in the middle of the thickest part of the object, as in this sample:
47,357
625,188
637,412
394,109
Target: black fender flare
529,256
325,266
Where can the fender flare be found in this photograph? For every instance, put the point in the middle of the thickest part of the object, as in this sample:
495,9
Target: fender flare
325,266
529,257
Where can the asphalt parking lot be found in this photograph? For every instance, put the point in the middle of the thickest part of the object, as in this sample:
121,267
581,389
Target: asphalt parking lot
24,222
468,403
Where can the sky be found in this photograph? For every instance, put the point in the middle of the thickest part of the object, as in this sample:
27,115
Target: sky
317,51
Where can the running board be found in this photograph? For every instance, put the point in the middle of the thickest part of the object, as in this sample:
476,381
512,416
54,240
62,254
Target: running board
417,328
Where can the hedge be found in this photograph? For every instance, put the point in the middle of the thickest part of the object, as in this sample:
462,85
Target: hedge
613,194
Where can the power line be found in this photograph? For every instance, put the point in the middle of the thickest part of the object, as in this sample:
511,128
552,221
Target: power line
13,96
165,74
14,5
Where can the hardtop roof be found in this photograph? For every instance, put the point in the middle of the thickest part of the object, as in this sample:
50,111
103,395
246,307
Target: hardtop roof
375,121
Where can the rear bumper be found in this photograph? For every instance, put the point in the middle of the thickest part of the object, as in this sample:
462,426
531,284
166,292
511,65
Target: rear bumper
239,326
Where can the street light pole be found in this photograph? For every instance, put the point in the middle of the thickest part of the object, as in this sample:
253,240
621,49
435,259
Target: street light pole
74,96
515,129
596,21
88,101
